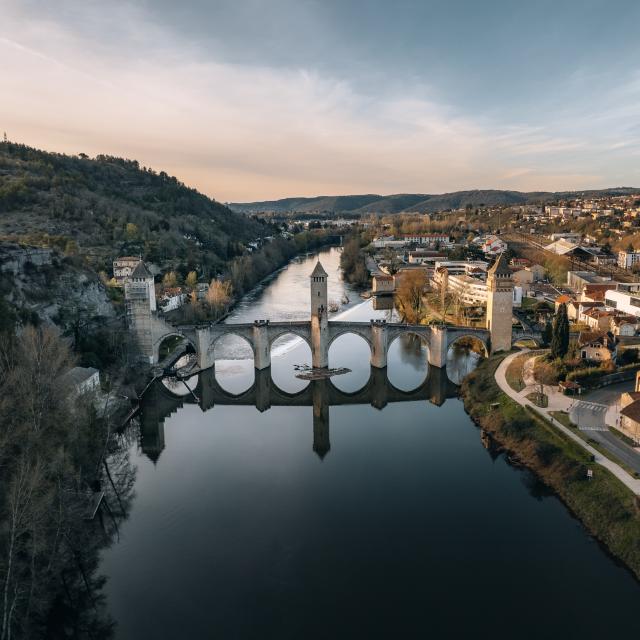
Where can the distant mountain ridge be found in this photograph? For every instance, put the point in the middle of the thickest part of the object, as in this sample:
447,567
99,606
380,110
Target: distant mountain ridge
414,202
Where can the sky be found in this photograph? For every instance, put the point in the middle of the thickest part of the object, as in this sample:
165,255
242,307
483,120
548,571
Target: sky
262,99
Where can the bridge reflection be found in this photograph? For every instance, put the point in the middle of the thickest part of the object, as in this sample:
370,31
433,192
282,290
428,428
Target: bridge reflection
159,401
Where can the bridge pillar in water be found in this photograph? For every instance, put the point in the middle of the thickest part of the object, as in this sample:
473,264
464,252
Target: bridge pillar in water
438,347
319,318
261,350
204,350
379,339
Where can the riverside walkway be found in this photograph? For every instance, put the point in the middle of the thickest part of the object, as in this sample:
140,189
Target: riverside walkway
558,402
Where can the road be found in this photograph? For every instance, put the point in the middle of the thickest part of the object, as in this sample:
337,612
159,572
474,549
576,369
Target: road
618,448
558,402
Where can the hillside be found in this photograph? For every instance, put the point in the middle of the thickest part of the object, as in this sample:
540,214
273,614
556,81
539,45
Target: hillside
363,204
107,206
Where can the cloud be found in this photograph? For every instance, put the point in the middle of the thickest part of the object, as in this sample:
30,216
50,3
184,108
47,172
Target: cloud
115,82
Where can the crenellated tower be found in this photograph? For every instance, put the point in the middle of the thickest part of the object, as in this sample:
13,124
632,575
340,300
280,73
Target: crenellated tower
140,302
319,317
499,304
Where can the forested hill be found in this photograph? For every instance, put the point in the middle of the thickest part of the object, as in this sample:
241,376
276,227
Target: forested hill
408,202
106,206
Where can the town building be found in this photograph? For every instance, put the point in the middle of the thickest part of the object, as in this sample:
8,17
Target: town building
383,284
528,275
577,279
123,267
422,256
382,242
597,346
627,259
493,245
625,302
571,237
598,319
621,325
83,380
428,239
172,299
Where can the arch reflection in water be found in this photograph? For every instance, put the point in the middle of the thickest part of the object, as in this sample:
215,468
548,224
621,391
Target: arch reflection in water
463,356
234,369
408,358
159,402
353,351
287,351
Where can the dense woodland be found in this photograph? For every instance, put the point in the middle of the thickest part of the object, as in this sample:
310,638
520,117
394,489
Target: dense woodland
107,206
55,451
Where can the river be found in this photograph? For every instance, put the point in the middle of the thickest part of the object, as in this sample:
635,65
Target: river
363,511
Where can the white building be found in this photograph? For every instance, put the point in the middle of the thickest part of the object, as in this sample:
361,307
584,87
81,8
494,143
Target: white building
123,267
425,257
383,242
468,280
428,239
626,259
172,299
83,379
571,237
625,302
493,245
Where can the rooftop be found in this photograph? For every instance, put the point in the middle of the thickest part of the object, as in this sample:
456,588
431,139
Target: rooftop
318,271
78,375
141,271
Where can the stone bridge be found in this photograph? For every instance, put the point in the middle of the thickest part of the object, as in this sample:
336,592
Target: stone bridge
378,334
160,402
318,332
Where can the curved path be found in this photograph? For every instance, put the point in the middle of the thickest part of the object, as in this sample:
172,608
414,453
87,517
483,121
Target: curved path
615,469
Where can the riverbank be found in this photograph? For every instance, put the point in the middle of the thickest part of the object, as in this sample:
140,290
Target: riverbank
608,509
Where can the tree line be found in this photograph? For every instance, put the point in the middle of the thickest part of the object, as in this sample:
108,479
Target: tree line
55,451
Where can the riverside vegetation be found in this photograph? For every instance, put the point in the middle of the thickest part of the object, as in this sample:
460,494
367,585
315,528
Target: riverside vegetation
55,451
606,507
89,211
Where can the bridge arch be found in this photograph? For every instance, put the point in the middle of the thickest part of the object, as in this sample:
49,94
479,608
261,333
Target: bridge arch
476,337
363,332
408,358
536,339
357,358
287,350
237,376
230,333
280,332
181,338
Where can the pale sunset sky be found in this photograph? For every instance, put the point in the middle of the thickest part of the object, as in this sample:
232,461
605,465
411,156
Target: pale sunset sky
250,100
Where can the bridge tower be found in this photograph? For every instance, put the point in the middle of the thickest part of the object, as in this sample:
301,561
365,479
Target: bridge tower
499,304
319,317
140,301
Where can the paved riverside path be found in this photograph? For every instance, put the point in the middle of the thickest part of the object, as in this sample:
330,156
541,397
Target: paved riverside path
558,402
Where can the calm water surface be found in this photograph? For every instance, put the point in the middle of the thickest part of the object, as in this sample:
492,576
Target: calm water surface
359,509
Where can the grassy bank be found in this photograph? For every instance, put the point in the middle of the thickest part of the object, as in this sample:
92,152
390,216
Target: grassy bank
606,507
